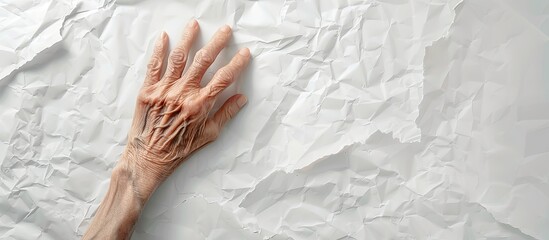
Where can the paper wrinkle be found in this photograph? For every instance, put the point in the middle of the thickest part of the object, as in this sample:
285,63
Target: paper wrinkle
366,119
32,28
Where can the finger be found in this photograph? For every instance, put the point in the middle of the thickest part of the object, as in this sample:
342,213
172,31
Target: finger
206,56
154,68
228,74
229,109
178,57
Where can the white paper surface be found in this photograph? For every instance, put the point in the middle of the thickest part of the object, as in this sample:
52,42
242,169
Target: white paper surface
378,119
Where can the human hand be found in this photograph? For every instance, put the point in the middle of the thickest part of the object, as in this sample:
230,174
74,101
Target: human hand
171,121
171,116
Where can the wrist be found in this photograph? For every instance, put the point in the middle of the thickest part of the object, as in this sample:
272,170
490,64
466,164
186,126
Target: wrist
119,210
142,180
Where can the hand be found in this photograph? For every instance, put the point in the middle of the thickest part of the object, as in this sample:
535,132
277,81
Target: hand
171,121
171,117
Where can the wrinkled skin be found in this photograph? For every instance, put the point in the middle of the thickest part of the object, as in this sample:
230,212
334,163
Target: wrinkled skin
171,121
171,117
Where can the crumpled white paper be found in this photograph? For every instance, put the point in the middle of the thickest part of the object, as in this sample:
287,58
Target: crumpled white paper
401,119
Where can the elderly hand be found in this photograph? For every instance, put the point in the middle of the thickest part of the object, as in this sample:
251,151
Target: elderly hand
171,121
171,117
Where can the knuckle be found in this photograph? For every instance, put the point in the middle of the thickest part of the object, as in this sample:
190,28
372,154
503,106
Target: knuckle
172,98
142,97
145,93
190,82
224,78
178,56
192,78
213,134
154,66
203,58
225,75
214,90
195,109
229,113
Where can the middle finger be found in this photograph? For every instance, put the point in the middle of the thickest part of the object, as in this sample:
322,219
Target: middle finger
178,57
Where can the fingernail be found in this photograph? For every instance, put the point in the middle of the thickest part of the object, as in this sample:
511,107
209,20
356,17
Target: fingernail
241,101
226,29
193,23
244,52
163,34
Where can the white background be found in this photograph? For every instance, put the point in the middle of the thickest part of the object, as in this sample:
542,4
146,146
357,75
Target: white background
386,119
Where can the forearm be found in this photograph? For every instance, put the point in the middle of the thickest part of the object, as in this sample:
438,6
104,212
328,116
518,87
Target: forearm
121,206
172,120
